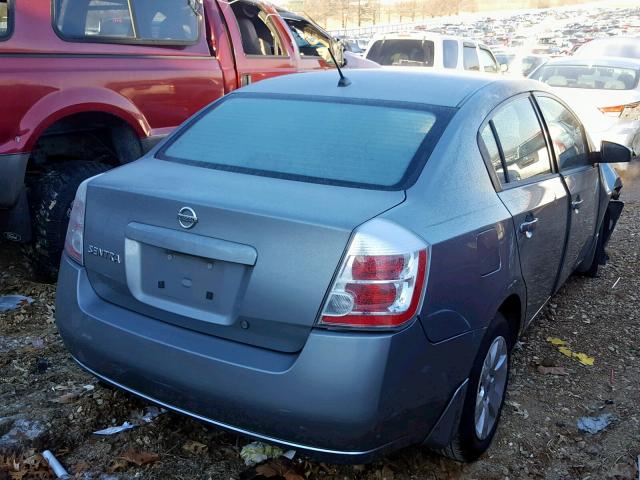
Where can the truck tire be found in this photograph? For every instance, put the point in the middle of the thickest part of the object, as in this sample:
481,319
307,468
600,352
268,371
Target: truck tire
51,197
467,445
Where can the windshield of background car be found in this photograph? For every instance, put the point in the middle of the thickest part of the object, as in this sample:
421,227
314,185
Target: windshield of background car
378,145
588,76
402,52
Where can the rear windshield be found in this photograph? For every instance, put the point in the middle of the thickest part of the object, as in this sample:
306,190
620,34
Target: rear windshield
402,52
587,76
367,145
4,19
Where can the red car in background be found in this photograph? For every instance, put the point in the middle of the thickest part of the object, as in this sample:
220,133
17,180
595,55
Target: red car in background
92,84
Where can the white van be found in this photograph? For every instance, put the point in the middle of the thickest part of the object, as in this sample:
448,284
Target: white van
431,50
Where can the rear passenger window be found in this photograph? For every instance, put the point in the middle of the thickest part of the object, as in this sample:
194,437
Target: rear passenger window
470,57
450,53
522,141
129,21
4,19
493,152
259,34
566,133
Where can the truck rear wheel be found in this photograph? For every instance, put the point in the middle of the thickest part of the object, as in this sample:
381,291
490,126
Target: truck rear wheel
51,197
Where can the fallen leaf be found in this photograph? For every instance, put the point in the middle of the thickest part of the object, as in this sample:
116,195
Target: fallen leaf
66,398
552,370
118,465
139,458
195,448
584,359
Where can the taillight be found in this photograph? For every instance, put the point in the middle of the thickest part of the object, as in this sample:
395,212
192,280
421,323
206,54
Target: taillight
74,242
381,280
618,110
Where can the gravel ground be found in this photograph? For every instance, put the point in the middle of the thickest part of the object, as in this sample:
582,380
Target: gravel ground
47,402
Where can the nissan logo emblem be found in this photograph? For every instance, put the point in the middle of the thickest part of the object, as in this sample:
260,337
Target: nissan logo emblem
187,218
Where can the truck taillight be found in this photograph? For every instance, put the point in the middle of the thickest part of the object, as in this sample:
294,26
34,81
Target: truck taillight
381,280
74,242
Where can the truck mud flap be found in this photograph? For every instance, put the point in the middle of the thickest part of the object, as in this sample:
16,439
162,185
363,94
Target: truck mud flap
15,223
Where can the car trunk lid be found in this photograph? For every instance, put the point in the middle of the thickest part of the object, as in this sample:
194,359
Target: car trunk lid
255,265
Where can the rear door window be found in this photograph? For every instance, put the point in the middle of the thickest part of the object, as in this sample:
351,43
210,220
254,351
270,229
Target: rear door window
493,152
380,146
5,19
522,140
566,134
470,57
259,34
402,52
166,22
450,53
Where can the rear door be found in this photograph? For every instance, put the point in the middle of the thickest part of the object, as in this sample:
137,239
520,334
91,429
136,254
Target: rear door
532,192
580,175
261,43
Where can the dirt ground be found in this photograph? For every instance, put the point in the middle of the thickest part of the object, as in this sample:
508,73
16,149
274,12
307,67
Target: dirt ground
47,402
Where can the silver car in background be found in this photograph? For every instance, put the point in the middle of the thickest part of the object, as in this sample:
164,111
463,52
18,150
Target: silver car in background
625,47
610,84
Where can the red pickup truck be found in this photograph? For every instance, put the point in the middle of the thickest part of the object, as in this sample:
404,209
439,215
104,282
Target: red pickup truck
92,84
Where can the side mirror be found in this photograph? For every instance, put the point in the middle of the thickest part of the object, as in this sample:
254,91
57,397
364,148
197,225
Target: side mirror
611,152
504,68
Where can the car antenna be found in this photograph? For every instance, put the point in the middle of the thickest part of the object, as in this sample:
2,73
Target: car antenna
344,81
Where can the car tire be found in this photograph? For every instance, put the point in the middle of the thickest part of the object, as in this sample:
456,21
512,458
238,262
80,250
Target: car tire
51,196
468,444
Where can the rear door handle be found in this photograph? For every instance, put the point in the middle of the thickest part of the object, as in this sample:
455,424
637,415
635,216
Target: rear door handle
576,204
528,227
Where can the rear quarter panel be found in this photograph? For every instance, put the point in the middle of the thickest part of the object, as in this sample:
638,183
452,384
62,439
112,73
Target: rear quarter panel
474,264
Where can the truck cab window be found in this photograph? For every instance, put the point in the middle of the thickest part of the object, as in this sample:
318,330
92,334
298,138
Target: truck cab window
165,21
259,35
4,19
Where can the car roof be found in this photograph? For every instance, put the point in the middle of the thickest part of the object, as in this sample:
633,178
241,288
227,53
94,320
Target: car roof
425,86
620,62
426,35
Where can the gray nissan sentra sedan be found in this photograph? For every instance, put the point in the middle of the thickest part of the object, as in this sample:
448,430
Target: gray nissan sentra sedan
341,270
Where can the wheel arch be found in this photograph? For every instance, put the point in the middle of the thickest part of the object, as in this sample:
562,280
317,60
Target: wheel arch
62,104
511,309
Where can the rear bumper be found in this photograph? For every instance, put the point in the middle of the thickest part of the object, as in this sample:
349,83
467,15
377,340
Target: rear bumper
343,397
